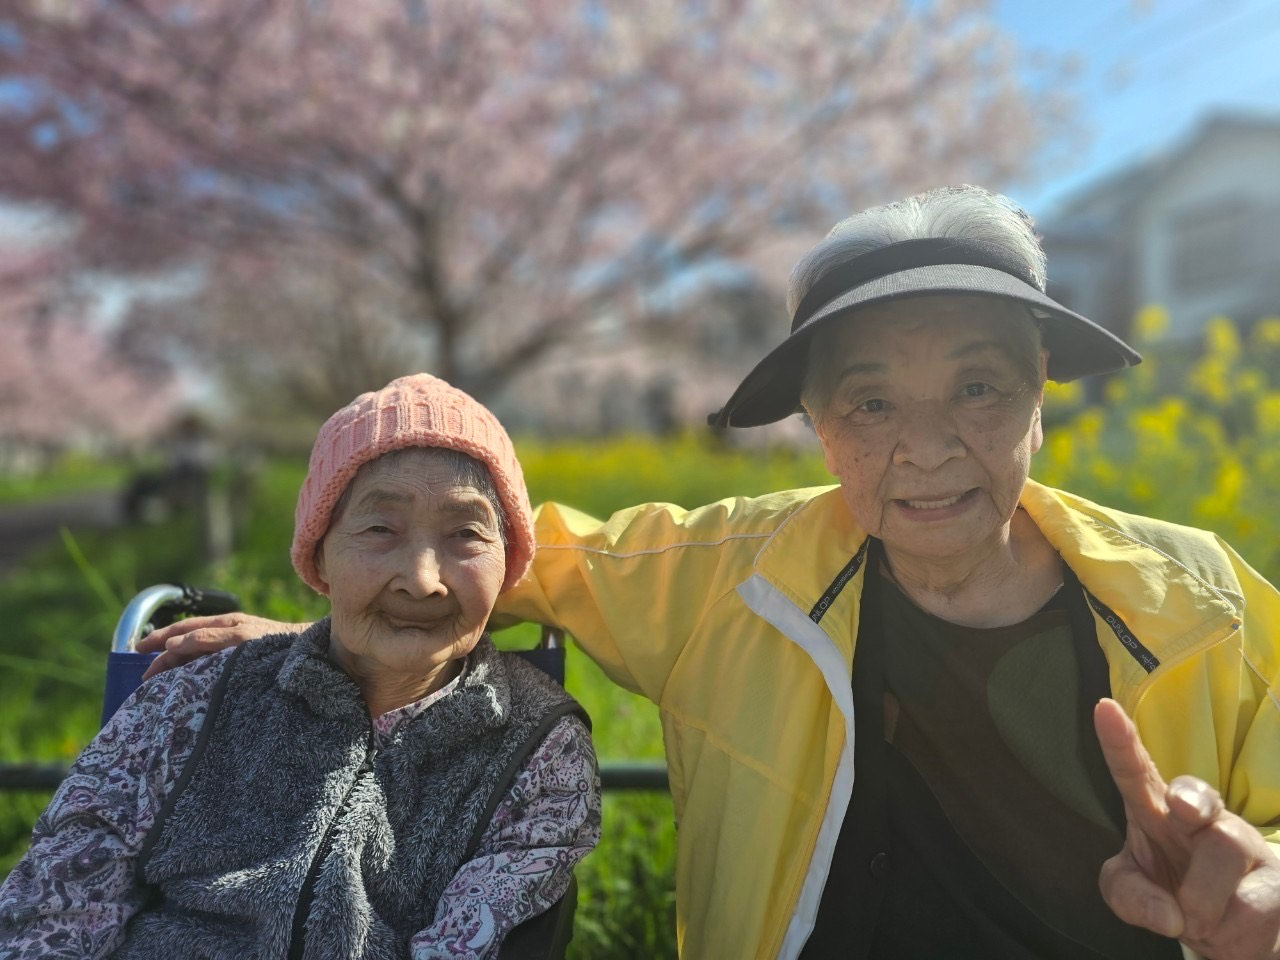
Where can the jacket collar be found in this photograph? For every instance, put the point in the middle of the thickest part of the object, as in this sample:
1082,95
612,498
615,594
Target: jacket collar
1171,609
308,674
810,559
480,703
1168,607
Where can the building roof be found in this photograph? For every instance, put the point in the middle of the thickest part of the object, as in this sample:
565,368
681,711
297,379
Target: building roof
1107,201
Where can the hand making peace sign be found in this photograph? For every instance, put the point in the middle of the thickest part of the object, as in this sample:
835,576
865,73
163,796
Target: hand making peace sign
1189,868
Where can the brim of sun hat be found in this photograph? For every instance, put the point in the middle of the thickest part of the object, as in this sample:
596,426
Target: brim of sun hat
1077,347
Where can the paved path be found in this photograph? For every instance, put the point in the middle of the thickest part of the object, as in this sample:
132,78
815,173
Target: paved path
25,526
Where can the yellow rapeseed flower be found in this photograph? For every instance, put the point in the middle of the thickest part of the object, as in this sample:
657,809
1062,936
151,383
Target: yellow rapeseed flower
1149,428
1231,477
1104,472
1266,411
1150,323
1059,447
1211,378
1266,332
1161,423
1088,426
1141,488
1221,339
1063,396
1174,409
1250,381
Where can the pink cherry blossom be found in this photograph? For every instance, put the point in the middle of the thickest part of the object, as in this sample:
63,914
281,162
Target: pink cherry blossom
493,174
61,383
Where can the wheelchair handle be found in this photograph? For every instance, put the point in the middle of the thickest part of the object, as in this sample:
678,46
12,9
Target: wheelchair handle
135,621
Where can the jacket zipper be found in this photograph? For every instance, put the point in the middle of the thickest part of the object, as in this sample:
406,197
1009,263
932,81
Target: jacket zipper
298,933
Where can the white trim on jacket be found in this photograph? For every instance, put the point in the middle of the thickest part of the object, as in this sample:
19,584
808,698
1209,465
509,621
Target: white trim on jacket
793,623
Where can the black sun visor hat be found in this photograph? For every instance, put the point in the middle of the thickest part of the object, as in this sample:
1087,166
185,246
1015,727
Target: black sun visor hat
915,268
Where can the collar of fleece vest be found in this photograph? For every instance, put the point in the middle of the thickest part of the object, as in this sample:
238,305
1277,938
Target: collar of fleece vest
480,702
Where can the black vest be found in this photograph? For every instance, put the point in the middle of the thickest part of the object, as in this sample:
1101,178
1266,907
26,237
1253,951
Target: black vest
287,828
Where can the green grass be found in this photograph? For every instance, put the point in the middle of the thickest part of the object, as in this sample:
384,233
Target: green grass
59,609
68,475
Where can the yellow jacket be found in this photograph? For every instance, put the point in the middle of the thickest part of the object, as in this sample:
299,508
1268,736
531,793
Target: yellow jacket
738,620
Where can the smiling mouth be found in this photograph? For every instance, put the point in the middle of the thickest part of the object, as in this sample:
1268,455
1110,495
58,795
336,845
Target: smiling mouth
404,623
941,504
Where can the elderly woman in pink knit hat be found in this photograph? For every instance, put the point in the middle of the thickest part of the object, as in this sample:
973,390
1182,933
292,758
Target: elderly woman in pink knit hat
383,784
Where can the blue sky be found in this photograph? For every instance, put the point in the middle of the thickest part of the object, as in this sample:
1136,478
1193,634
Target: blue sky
1148,73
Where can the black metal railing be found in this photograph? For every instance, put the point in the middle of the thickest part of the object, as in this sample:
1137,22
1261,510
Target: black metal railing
30,776
613,776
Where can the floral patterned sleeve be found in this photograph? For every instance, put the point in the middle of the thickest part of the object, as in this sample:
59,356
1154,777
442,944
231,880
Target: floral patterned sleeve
75,889
549,820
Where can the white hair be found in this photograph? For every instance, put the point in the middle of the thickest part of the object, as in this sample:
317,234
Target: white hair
957,212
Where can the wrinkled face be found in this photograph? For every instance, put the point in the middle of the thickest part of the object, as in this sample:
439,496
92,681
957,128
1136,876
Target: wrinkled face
414,564
933,413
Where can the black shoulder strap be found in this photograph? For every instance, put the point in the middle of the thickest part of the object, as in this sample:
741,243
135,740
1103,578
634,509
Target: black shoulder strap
188,771
515,764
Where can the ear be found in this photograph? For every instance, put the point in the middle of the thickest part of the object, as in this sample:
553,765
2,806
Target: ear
320,566
828,456
1037,427
1037,422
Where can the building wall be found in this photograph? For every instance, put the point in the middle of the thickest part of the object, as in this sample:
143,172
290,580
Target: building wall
1089,274
1208,232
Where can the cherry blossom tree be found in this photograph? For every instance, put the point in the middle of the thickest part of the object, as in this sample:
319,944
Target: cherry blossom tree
62,384
494,175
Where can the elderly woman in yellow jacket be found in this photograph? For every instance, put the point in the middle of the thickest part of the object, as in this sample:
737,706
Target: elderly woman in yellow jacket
897,711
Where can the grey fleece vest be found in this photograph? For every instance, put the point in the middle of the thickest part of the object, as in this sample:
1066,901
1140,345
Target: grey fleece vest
288,835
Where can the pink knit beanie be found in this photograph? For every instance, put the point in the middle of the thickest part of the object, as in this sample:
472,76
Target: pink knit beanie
414,411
